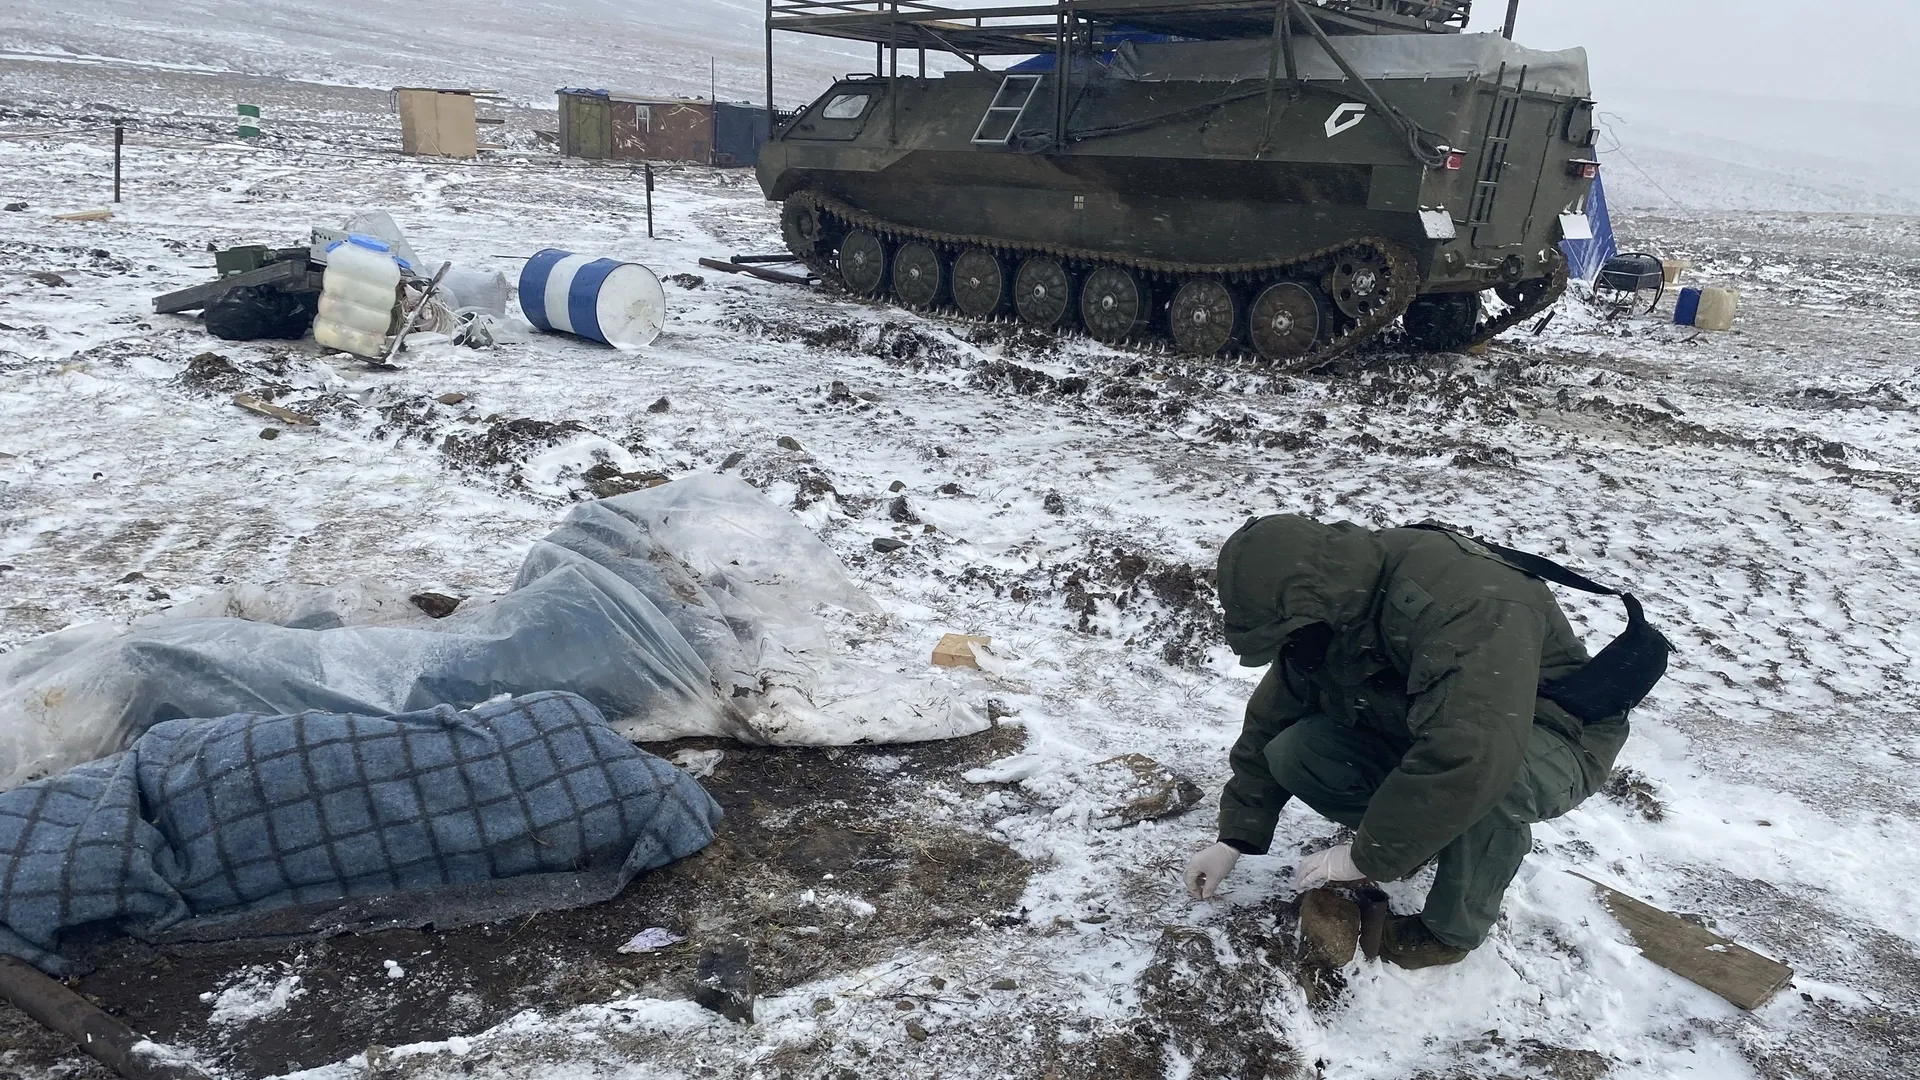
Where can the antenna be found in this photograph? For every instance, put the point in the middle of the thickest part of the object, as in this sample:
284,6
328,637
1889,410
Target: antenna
1513,15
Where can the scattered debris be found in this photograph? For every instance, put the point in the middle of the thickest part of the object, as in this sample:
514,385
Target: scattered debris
699,764
660,406
887,545
15,207
85,215
724,981
436,605
956,650
652,939
1149,789
1054,504
780,276
606,480
285,416
105,1039
1634,791
687,281
1003,984
899,511
451,399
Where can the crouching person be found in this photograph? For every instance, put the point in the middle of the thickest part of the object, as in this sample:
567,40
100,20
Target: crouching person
1404,697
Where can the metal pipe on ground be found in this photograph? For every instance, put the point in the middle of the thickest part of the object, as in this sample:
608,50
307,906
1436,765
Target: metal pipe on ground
90,1029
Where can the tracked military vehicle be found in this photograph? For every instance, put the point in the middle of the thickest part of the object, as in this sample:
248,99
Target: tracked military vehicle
1285,176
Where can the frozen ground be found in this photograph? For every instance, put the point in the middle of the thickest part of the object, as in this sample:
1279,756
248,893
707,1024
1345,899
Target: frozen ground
1759,489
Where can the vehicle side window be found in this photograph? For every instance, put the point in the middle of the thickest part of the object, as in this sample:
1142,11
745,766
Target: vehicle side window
845,107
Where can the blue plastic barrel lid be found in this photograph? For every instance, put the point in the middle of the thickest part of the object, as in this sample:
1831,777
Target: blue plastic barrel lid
371,243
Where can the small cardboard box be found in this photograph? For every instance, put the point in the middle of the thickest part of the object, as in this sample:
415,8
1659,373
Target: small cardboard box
956,650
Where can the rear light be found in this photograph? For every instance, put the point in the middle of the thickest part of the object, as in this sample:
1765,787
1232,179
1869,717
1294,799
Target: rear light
1456,160
1583,169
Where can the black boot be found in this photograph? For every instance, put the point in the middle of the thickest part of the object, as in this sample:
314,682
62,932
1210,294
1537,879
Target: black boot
1409,944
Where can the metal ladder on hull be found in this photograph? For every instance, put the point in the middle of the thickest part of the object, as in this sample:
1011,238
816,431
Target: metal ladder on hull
1493,157
1010,102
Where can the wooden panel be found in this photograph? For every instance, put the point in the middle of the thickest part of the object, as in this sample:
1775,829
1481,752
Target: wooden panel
586,124
416,118
455,131
1695,953
630,122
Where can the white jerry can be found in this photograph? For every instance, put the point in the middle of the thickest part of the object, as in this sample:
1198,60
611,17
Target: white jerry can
358,296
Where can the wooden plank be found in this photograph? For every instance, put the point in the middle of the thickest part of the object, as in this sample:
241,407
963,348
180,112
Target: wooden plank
288,272
454,130
1695,953
85,215
285,416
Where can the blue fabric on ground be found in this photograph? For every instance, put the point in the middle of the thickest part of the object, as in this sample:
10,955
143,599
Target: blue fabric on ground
201,819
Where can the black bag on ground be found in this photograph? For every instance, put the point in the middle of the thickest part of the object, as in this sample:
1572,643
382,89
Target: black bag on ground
252,312
1624,673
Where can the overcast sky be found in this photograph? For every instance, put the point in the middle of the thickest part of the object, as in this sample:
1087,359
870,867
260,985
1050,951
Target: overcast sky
1834,49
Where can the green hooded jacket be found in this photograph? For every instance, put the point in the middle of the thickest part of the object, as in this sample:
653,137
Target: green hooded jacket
1437,645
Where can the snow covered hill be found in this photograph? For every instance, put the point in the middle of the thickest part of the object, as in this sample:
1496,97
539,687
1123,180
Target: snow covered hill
526,50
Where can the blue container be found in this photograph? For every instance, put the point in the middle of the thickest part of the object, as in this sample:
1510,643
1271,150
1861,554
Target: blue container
619,303
1688,308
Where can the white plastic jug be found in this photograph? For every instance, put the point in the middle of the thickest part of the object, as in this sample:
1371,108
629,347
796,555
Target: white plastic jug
357,297
1717,307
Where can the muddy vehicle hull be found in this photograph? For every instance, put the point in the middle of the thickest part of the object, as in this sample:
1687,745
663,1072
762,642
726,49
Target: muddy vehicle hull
1243,183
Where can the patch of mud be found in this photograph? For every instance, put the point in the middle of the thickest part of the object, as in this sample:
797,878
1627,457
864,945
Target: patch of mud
815,868
900,343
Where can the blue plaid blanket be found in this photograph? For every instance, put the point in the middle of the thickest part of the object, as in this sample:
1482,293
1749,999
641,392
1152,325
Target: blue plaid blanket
243,823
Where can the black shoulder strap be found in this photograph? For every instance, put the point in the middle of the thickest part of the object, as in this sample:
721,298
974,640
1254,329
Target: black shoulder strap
1534,565
1626,670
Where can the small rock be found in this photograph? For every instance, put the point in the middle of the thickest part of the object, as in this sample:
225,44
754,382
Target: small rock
733,459
787,442
930,528
887,545
937,983
1054,504
898,510
132,577
1329,927
436,605
838,393
724,981
48,278
903,1006
451,399
867,395
157,593
897,485
269,433
822,1006
949,489
687,281
939,451
1003,984
660,406
916,1032
15,207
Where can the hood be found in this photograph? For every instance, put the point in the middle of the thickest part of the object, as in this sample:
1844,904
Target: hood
1279,574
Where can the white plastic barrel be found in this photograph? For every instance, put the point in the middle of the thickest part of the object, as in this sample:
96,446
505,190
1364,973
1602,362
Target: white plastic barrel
619,303
357,297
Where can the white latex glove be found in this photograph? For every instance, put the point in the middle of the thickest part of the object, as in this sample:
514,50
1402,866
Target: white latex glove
1323,867
1206,870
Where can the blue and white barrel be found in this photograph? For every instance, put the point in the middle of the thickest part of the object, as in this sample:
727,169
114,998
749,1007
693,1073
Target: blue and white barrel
619,303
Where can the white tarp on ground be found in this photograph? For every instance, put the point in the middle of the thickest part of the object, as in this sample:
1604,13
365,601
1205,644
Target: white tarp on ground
1381,56
687,609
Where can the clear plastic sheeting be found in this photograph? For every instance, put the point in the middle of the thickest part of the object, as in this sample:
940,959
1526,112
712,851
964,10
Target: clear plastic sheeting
687,609
1382,56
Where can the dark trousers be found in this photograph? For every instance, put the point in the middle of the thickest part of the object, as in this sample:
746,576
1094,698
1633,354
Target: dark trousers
1336,769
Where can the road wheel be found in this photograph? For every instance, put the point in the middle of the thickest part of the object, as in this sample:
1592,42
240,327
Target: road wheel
919,276
1202,317
1285,321
1359,283
863,263
1112,304
979,283
1043,291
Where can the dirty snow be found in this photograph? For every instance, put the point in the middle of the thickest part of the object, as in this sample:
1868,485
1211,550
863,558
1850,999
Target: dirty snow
1759,489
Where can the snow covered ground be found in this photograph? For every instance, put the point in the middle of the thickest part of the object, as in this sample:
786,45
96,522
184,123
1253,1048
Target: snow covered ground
1758,489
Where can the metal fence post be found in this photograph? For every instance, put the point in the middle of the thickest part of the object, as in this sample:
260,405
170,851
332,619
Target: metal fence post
119,140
